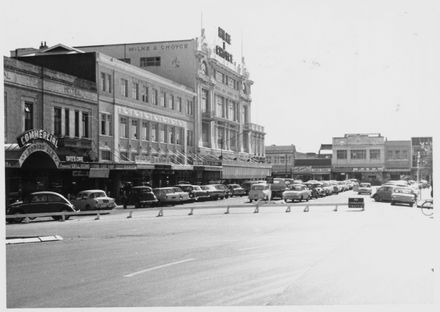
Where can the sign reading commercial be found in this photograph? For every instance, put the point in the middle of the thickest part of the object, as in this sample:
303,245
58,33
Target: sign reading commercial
221,50
37,134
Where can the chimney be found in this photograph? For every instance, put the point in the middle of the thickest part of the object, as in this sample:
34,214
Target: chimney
43,45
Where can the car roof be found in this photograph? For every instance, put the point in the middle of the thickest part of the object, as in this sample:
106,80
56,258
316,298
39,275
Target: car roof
91,191
46,192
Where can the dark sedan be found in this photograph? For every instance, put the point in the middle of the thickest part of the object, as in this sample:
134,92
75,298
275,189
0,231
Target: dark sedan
195,191
41,202
236,190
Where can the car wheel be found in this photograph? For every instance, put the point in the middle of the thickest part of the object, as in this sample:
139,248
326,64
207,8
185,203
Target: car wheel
411,204
66,217
17,220
376,198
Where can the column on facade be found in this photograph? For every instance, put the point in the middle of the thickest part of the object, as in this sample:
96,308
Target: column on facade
213,135
72,124
80,130
63,121
185,145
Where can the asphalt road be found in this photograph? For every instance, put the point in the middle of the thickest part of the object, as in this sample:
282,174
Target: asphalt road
383,255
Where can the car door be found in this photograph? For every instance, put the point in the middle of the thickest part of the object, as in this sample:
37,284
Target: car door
38,203
54,203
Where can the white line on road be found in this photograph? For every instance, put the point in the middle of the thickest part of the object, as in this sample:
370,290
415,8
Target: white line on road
158,267
256,247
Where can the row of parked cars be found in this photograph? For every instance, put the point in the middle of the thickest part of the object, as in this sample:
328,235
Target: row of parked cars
394,191
297,190
139,196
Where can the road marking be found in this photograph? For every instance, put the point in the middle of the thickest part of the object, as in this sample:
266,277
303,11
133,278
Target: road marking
158,267
256,247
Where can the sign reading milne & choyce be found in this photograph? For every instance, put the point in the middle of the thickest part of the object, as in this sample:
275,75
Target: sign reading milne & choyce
37,134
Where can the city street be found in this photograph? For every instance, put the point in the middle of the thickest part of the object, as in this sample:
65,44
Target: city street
383,255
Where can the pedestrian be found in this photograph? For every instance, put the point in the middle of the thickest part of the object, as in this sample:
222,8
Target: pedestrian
124,198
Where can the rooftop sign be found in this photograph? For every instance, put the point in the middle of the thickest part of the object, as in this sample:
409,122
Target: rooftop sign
221,50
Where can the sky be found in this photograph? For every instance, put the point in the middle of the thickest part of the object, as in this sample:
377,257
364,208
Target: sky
321,68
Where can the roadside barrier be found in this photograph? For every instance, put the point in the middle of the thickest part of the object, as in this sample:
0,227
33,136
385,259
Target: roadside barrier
256,209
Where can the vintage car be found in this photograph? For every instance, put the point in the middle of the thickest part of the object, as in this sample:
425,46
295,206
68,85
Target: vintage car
213,192
403,195
93,200
297,192
278,187
171,195
365,188
260,191
41,202
195,191
224,188
236,190
247,185
141,196
383,193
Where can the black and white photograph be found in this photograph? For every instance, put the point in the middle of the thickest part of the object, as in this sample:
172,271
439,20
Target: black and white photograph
220,155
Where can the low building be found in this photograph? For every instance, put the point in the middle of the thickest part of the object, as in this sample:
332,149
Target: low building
312,168
359,156
282,159
398,156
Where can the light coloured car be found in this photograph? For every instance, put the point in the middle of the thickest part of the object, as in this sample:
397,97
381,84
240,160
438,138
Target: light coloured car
297,192
171,195
403,195
93,200
260,191
365,188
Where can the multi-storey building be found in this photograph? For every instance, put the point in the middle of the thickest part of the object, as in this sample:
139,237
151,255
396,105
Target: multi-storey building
146,122
50,137
359,156
224,134
398,157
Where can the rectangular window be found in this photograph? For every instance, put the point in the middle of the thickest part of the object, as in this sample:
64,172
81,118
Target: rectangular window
123,128
144,133
145,95
123,156
76,124
404,154
154,100
171,101
179,103
358,154
85,125
124,87
28,115
179,136
231,110
109,83
162,133
397,153
150,61
106,155
375,154
189,107
103,82
103,124
189,138
205,101
341,154
163,99
154,130
66,122
135,91
134,129
390,154
57,121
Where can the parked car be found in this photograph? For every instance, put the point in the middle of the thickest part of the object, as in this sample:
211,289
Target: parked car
365,188
247,185
93,200
403,195
297,192
278,187
328,188
41,202
260,191
141,196
316,188
224,188
195,192
383,193
213,192
236,190
171,195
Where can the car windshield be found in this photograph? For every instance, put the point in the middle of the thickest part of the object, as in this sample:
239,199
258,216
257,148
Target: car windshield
258,187
297,187
197,188
365,185
98,194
